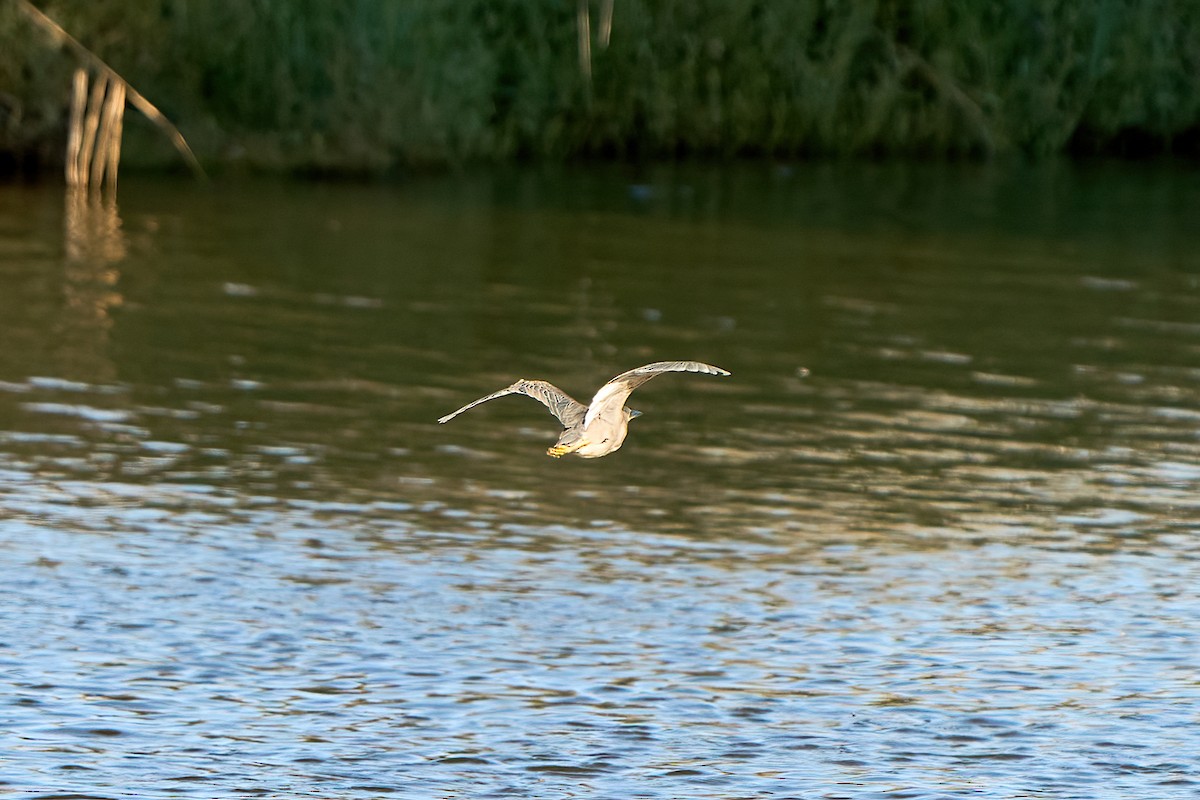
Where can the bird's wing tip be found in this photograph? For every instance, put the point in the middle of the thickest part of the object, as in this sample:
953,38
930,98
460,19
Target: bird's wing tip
709,369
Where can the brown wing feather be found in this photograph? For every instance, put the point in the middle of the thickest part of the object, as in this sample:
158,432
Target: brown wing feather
568,411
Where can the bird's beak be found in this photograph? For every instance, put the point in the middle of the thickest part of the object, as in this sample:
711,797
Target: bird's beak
634,414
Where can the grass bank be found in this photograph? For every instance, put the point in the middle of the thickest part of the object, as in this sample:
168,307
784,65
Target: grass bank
378,85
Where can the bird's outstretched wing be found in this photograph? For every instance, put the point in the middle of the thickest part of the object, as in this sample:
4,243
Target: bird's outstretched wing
561,404
613,394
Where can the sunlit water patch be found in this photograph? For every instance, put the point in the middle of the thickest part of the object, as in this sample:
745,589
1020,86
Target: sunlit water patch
246,645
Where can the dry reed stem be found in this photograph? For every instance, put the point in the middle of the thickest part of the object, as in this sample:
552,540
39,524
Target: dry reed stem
91,127
606,17
584,20
117,103
79,87
94,135
148,109
949,89
108,137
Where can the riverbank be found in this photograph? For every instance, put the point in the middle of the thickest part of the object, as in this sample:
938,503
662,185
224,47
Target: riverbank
376,87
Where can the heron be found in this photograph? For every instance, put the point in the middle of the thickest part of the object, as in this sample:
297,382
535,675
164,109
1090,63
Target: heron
600,427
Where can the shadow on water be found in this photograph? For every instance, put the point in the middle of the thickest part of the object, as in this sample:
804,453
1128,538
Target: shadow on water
951,559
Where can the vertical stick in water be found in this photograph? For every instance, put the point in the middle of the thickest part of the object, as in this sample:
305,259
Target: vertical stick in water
116,100
91,125
108,135
106,74
79,87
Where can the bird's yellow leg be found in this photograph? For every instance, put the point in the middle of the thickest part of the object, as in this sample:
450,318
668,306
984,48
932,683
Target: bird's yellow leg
560,450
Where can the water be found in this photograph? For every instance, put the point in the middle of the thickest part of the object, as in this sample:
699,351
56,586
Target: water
957,558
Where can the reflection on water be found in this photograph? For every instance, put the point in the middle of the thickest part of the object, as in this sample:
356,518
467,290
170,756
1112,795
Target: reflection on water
954,560
92,229
94,246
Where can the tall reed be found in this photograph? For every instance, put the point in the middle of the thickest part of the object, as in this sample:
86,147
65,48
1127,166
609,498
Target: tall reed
97,117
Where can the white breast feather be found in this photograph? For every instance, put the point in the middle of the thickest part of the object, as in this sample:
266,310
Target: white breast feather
608,392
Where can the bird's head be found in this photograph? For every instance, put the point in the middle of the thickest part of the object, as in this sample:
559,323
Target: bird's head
631,414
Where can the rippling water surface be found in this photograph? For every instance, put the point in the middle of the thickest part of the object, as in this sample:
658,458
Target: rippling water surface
936,536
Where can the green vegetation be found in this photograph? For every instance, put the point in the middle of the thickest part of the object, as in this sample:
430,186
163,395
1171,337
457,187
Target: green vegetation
373,85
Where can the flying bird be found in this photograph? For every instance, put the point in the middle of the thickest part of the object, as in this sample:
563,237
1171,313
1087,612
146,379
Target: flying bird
599,428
